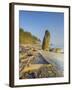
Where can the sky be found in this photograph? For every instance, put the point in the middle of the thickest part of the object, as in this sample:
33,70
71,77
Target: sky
37,22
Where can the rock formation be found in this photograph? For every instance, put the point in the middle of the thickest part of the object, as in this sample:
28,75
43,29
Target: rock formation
46,41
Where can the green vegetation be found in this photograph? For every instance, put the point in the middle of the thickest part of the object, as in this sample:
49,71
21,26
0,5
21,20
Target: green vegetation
27,37
46,41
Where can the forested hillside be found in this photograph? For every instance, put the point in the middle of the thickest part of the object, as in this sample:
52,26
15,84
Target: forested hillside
27,37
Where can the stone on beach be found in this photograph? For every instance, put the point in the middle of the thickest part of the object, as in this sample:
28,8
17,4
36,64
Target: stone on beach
46,41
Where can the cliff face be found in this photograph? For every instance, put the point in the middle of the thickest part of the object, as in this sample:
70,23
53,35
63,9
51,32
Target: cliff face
46,41
27,37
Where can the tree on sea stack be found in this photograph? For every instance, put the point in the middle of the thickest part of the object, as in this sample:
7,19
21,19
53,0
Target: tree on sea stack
46,41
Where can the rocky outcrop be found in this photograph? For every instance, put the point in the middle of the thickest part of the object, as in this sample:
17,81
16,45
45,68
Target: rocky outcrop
46,41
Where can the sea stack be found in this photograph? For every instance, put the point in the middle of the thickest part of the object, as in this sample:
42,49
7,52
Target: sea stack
46,41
